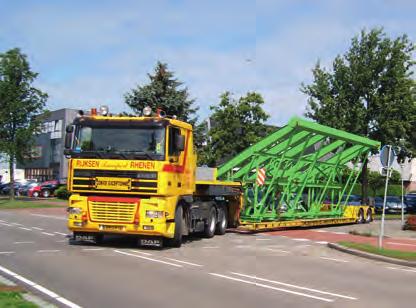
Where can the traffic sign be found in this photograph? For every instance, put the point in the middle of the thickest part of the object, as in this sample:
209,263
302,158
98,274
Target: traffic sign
387,156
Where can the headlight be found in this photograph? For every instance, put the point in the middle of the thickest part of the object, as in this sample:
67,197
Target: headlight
154,214
74,210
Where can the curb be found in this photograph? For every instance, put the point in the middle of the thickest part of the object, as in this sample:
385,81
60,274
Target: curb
371,256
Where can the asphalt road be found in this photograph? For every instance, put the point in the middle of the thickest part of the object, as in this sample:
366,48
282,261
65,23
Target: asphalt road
228,271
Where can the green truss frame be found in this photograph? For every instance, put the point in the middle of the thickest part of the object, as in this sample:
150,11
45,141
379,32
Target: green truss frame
311,170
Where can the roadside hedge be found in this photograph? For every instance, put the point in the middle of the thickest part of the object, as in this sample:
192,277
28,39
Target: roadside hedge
392,190
62,193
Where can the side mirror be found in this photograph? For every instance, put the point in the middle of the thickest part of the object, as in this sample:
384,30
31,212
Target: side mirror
180,143
68,136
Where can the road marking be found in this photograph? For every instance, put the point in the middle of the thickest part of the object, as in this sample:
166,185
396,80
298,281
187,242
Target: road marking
320,231
50,234
210,247
272,288
61,241
28,242
36,228
277,250
40,288
2,220
16,224
24,228
300,246
48,250
60,233
401,244
333,259
301,239
49,216
339,232
322,242
4,224
184,262
147,258
141,252
6,252
402,269
263,239
295,286
93,249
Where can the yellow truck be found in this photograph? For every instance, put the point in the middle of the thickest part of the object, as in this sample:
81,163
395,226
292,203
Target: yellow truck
137,175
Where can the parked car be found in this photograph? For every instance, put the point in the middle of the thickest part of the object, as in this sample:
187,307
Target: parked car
394,204
44,189
24,189
352,200
6,189
411,203
34,191
378,204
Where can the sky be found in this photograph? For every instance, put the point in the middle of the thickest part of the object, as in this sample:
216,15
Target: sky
90,53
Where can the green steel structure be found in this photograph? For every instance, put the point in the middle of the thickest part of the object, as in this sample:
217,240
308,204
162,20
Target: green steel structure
310,172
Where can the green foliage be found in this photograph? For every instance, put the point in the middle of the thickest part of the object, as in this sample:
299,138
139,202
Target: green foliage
163,92
398,254
375,182
369,91
395,178
62,193
235,125
21,106
14,299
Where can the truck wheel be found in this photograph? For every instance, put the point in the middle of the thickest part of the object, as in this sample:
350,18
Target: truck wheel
360,218
222,222
210,224
369,217
176,241
98,239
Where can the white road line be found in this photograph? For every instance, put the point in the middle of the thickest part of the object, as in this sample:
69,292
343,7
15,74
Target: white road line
24,228
4,224
263,239
2,220
48,250
272,288
60,233
277,250
294,286
36,228
16,224
320,231
301,239
6,252
49,216
141,252
339,232
333,259
184,262
401,244
50,234
322,242
93,249
210,247
61,241
146,258
40,288
28,242
402,269
300,246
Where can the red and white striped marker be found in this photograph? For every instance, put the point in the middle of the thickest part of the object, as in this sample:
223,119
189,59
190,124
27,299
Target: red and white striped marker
261,176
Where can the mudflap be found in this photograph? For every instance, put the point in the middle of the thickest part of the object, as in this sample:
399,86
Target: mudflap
150,242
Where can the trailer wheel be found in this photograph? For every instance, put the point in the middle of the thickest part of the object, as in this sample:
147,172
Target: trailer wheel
369,217
176,241
210,224
222,221
360,218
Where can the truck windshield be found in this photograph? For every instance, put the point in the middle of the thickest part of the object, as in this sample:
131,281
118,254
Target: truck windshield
128,143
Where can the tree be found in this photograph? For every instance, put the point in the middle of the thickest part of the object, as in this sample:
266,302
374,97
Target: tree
235,125
163,92
21,105
369,92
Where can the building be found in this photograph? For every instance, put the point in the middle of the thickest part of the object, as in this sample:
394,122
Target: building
48,161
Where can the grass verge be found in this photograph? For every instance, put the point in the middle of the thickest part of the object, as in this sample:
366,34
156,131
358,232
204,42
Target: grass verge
14,299
390,216
22,204
403,255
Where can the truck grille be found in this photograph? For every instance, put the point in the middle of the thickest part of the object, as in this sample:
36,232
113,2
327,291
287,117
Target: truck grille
105,211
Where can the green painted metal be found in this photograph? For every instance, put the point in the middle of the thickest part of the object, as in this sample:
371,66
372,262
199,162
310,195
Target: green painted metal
310,172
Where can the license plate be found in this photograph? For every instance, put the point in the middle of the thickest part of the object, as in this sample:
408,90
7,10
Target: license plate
151,242
112,228
104,183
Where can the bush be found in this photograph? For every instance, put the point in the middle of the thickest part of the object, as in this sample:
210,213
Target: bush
392,190
62,193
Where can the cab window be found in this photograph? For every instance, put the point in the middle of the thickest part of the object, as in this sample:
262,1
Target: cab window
174,132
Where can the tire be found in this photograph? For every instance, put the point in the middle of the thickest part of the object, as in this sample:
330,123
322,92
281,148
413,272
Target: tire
211,223
222,222
98,239
176,241
46,193
369,217
360,218
35,194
